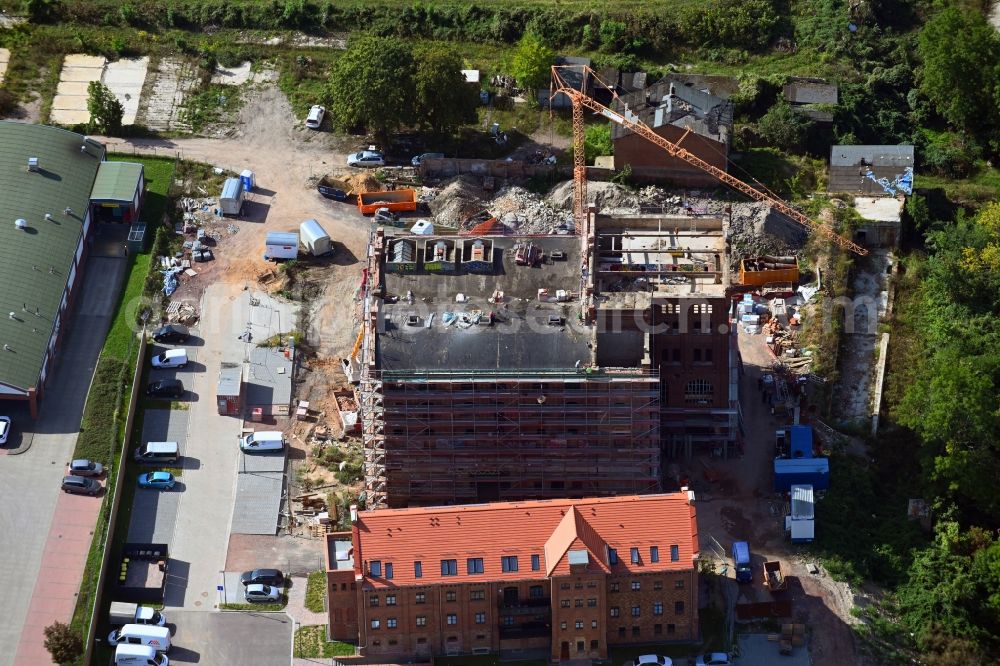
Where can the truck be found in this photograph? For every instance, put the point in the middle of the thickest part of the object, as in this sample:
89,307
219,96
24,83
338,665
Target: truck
315,239
774,580
281,246
397,201
123,612
231,199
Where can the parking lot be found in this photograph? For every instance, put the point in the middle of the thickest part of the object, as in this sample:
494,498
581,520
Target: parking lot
154,512
231,638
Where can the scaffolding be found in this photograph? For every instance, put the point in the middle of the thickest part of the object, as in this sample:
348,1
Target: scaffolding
370,402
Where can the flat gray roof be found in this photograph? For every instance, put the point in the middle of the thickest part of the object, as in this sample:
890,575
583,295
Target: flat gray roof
269,377
341,553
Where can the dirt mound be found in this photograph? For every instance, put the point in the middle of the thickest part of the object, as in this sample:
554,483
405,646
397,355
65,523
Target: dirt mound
362,182
608,197
460,198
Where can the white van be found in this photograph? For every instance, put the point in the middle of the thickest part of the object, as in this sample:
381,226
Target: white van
265,440
158,452
172,358
150,635
139,655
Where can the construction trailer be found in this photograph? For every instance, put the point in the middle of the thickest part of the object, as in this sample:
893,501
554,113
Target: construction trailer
281,246
231,199
789,472
315,239
800,523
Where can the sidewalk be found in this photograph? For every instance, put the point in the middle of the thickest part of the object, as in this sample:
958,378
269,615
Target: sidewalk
296,607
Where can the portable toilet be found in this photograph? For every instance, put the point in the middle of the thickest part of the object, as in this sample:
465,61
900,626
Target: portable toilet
247,177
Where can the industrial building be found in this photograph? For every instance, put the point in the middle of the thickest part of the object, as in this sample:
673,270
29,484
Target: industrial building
567,578
879,178
47,176
505,368
698,121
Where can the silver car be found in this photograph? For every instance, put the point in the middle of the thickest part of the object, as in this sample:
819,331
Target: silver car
80,485
366,158
259,593
82,467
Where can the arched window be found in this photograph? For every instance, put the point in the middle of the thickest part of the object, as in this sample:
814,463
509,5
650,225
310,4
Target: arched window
698,391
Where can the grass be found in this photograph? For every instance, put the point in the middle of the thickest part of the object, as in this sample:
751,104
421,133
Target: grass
978,189
311,643
316,592
210,105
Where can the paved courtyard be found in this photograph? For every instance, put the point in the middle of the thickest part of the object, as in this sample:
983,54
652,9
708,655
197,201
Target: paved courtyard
210,639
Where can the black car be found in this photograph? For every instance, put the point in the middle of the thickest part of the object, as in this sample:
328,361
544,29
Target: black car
165,388
271,577
171,333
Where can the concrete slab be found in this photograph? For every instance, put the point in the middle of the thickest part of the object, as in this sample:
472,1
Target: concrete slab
258,501
69,116
879,209
69,107
232,76
230,638
4,61
84,74
83,60
756,650
71,88
162,110
125,78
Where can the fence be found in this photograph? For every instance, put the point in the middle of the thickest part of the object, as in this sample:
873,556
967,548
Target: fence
116,500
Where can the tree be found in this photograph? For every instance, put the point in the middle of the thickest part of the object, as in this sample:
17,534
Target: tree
597,141
443,99
530,63
372,85
783,127
105,110
63,643
42,11
961,70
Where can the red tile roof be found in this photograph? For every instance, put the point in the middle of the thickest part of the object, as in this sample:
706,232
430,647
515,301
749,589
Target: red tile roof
550,529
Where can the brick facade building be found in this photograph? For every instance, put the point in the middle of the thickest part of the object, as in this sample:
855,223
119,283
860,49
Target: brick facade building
570,576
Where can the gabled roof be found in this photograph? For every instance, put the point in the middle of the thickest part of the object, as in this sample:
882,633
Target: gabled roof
810,91
871,170
549,529
669,103
35,261
116,181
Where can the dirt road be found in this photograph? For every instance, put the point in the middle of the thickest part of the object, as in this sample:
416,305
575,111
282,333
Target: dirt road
286,159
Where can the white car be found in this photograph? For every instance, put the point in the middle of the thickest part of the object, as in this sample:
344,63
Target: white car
4,429
366,158
172,358
259,593
714,659
315,117
653,660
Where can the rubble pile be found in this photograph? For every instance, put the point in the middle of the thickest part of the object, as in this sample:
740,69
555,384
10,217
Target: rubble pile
454,203
527,213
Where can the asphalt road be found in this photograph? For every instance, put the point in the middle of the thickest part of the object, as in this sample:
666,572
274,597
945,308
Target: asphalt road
29,483
260,639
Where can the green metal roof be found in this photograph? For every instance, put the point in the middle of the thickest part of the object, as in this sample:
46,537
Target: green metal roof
116,181
35,261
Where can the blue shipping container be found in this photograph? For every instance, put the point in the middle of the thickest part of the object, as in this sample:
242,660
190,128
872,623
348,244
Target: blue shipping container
802,441
789,472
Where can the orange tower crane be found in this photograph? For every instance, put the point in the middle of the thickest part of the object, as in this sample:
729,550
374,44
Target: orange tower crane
581,100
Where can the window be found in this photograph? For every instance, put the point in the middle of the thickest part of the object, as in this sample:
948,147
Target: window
579,624
508,563
634,554
579,646
578,603
393,642
615,611
418,569
420,598
375,568
593,624
592,602
376,642
564,586
675,553
657,608
679,584
636,585
452,619
474,565
657,629
477,595
697,356
536,563
562,625
343,587
671,628
388,570
679,608
390,600
508,620
708,356
654,554
391,623
564,603
449,567
657,584
373,601
578,585
421,641
480,618
450,595
621,632
480,637
635,632
675,354
614,587
595,645
536,592
376,624
421,620
698,391
612,556
636,611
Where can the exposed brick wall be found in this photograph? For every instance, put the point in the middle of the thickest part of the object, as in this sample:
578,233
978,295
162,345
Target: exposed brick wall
342,605
650,161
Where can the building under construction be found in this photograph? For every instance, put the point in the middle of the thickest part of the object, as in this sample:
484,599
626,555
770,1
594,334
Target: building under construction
505,368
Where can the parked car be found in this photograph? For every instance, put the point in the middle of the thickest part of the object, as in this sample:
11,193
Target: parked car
271,577
714,659
5,426
172,358
165,388
366,158
80,485
315,117
417,159
83,467
258,593
174,333
157,480
652,660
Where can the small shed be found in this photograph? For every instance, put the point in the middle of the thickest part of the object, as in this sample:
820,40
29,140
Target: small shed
229,391
117,192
